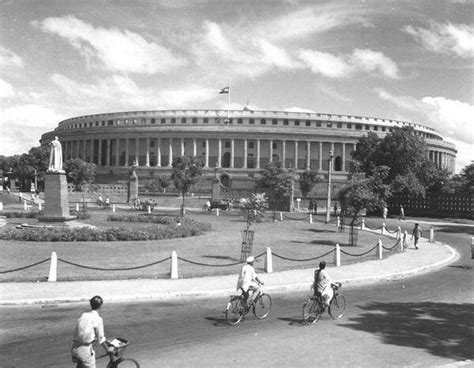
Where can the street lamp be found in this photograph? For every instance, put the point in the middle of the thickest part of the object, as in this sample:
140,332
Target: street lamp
328,202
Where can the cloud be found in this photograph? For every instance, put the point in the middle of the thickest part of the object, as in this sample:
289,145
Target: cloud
25,124
344,66
117,50
6,89
10,59
452,39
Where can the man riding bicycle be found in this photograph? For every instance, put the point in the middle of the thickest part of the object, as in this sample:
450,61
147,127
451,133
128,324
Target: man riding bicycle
248,279
322,285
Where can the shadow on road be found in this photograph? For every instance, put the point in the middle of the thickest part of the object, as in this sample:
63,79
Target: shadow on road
440,328
293,321
218,321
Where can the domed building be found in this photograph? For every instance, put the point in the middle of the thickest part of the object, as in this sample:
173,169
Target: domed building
234,144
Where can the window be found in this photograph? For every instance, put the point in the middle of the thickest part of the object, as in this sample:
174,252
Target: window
329,124
153,120
239,121
383,129
339,125
251,121
274,145
163,121
307,123
376,127
227,144
250,144
126,121
195,120
152,143
135,121
367,127
349,126
285,122
204,144
183,121
297,122
103,122
274,122
263,121
143,121
110,122
318,124
96,123
91,123
229,121
173,120
358,126
206,120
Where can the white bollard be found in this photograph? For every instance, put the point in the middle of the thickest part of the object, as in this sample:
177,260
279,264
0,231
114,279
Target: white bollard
337,256
383,228
217,212
281,216
432,238
25,206
113,208
362,226
1,206
401,248
148,208
379,249
268,266
53,268
310,218
399,233
40,206
174,265
77,207
338,221
472,247
405,239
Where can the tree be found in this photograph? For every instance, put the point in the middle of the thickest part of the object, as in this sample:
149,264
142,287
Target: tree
82,175
276,183
366,153
464,181
307,181
160,183
186,173
252,208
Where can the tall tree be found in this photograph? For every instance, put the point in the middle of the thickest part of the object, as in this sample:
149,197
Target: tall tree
276,183
186,173
307,180
82,175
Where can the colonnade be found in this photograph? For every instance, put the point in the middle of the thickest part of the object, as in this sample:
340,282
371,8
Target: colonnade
442,160
243,153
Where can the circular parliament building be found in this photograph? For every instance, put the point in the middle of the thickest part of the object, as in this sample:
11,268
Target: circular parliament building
234,145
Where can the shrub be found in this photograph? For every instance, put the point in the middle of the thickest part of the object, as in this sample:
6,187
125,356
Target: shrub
21,214
81,215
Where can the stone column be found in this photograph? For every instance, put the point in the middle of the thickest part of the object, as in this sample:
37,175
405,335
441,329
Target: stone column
127,150
108,152
137,154
99,156
219,152
343,156
245,153
91,150
296,155
194,147
206,164
258,154
308,155
158,152
170,153
232,153
182,147
147,152
283,153
270,150
117,151
320,168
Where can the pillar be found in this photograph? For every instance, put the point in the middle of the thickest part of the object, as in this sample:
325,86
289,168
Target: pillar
147,152
283,153
258,154
320,156
268,266
207,153
99,156
219,152
117,151
182,147
344,157
194,147
158,152
232,153
53,268
270,149
308,155
245,153
296,155
137,144
174,265
170,152
337,256
127,152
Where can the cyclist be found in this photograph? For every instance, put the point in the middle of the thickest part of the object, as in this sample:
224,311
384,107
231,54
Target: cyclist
322,285
248,279
89,329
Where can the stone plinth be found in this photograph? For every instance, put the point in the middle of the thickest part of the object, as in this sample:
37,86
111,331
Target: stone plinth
133,186
216,190
56,204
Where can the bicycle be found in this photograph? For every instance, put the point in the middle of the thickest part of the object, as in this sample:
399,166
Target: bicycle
260,304
117,359
313,306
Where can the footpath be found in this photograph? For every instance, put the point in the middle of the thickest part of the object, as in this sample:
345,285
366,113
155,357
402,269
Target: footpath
429,257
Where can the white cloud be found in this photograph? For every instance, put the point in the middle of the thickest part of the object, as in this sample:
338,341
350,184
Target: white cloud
6,89
118,50
10,59
453,39
343,66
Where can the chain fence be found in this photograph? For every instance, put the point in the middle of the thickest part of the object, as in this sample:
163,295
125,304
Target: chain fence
361,254
114,269
303,260
26,267
393,246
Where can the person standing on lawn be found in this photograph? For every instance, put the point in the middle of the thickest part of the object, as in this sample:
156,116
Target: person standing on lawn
417,234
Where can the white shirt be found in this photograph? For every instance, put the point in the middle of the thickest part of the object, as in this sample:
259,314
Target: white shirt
247,275
89,327
323,280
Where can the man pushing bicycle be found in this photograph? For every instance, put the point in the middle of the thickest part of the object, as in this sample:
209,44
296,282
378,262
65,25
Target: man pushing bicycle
248,279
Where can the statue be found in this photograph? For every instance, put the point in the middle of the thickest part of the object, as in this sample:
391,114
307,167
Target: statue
56,157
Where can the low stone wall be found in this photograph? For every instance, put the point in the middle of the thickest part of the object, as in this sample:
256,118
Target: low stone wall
117,193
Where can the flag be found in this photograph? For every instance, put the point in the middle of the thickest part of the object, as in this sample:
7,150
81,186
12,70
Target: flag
224,90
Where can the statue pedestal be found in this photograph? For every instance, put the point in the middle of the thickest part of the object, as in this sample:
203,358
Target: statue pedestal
56,203
216,190
133,186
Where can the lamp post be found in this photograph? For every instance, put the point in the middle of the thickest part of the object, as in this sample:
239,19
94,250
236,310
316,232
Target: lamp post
328,202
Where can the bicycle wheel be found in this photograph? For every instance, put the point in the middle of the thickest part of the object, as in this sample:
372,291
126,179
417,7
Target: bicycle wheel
337,306
311,310
128,363
262,306
234,311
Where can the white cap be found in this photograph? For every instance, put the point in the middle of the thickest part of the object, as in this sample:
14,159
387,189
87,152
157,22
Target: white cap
250,259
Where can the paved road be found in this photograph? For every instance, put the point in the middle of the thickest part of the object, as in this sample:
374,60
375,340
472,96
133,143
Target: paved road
421,321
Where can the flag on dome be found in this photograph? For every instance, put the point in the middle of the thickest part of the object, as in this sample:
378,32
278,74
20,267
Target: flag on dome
224,90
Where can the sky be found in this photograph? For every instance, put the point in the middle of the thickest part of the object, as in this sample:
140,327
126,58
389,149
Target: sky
402,60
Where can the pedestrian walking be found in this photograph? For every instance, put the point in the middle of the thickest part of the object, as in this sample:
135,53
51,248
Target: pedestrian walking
417,234
402,213
310,207
335,209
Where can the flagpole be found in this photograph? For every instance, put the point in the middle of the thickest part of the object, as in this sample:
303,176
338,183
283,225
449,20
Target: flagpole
228,106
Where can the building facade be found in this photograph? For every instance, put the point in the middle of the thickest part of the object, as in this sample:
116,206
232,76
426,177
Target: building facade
238,142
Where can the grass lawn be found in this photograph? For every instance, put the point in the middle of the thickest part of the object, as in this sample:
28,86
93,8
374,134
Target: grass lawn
296,239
